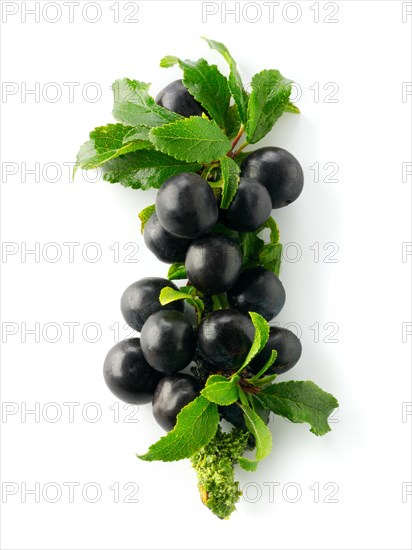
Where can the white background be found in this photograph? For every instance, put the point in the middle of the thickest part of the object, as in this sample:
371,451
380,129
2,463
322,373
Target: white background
366,213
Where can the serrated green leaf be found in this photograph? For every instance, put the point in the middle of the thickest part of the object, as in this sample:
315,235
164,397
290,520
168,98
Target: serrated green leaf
145,169
235,81
210,88
207,85
233,122
137,133
230,181
222,392
134,106
106,143
145,215
261,337
268,100
169,61
168,295
177,271
193,139
273,227
300,401
247,464
196,425
260,431
271,256
213,378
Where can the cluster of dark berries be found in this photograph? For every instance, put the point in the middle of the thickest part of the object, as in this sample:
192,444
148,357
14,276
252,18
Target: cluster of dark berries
187,227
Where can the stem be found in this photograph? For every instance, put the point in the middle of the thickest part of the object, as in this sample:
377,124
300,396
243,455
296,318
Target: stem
242,368
237,138
240,148
247,389
214,467
263,381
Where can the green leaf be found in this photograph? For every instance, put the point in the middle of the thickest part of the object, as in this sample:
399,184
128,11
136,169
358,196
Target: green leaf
177,271
213,378
233,122
145,214
133,105
222,392
257,406
300,402
223,230
207,85
235,81
168,295
191,290
251,246
219,301
271,256
137,133
230,181
260,339
243,397
266,366
193,139
265,380
247,464
260,431
273,228
268,100
169,61
145,169
196,425
292,108
106,143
